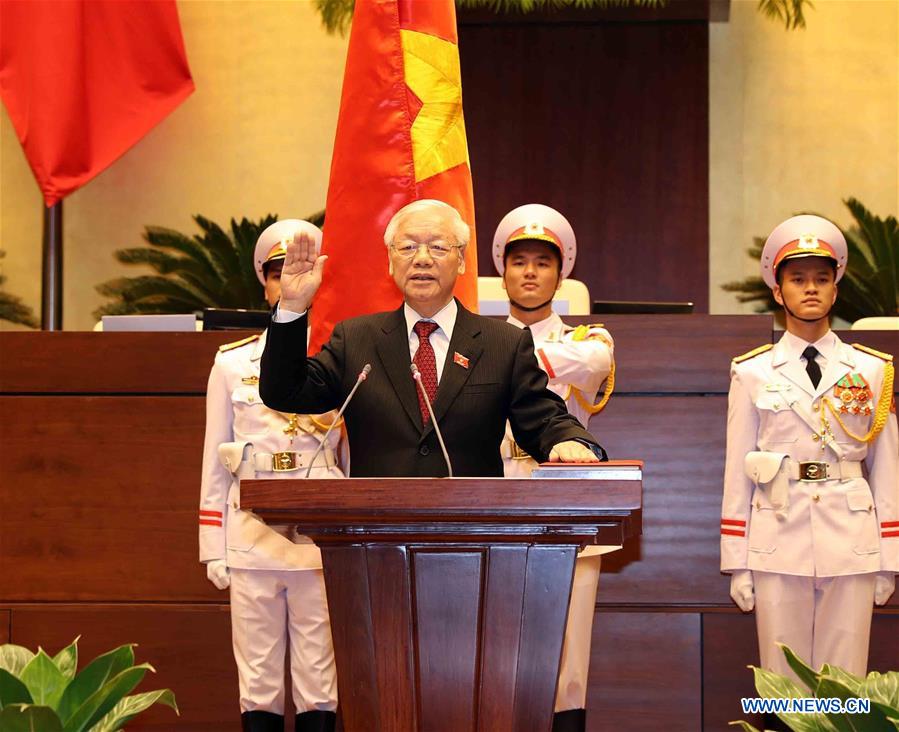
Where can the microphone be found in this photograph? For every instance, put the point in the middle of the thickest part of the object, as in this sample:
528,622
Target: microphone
363,375
416,374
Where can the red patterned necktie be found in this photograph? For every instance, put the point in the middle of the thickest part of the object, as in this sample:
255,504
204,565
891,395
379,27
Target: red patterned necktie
427,365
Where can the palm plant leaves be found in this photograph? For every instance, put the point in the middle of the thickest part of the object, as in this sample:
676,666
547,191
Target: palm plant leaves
13,309
790,12
870,286
211,269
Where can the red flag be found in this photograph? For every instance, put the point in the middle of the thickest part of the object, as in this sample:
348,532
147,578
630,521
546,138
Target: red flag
84,80
400,137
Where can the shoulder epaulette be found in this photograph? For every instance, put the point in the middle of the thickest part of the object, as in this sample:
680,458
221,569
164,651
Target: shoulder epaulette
238,344
753,353
880,354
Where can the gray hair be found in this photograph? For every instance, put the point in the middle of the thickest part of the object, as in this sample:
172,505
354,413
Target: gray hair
461,230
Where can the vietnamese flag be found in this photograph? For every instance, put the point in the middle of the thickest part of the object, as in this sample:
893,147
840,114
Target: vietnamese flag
400,137
84,80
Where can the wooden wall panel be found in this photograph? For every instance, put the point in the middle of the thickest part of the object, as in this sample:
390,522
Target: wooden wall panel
729,645
584,117
100,494
189,646
5,618
107,363
645,672
681,439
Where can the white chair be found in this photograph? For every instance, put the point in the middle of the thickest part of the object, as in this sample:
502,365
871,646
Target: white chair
885,322
572,298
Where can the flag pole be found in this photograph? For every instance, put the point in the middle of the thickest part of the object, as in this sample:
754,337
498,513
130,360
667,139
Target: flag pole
51,276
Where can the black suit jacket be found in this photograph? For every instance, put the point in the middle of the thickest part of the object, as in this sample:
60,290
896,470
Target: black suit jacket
502,381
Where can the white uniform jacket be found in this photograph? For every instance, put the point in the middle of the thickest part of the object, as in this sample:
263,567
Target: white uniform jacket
235,414
577,362
773,522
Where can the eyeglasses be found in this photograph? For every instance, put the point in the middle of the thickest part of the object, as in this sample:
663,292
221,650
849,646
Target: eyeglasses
437,249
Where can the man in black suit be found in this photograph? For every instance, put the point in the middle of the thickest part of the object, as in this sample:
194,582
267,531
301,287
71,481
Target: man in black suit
478,372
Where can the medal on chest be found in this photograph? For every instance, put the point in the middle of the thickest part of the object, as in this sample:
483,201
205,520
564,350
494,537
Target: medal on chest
854,395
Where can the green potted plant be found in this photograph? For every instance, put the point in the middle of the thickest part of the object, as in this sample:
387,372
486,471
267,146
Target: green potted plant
12,308
831,682
46,693
211,270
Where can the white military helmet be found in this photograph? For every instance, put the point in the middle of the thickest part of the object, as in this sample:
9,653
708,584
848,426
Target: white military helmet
272,243
535,222
803,236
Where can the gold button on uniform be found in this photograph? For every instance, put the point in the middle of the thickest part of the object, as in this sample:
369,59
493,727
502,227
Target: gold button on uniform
816,498
815,436
815,407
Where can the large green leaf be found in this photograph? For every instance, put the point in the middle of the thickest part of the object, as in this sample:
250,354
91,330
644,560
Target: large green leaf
14,658
883,691
45,682
805,672
93,677
12,691
745,725
131,706
832,688
29,718
67,660
98,704
774,686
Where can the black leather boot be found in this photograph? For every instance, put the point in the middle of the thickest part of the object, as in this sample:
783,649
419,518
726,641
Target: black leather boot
571,720
316,722
257,721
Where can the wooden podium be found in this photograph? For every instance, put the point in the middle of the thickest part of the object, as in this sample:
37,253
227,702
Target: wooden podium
449,597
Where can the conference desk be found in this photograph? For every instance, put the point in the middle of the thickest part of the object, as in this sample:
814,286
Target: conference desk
101,438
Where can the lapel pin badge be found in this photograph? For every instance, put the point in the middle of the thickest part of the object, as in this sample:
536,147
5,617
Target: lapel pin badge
460,359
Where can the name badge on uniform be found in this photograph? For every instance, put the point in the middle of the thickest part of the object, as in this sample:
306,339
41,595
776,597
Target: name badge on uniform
778,387
250,380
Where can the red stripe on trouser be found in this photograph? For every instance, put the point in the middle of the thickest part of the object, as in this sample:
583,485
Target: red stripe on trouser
732,532
204,522
214,514
889,524
887,534
733,522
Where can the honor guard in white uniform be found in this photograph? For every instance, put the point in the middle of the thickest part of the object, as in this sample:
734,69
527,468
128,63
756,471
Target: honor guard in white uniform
278,602
810,516
534,249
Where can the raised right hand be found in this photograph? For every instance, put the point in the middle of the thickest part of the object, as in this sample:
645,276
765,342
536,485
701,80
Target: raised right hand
301,274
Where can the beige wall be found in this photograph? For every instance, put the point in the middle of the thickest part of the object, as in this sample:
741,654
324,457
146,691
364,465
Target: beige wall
799,121
254,138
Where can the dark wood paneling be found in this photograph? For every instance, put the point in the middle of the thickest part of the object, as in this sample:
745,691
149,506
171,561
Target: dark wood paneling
586,118
100,494
106,363
391,621
447,629
679,354
499,659
681,439
4,626
730,644
645,672
549,574
189,646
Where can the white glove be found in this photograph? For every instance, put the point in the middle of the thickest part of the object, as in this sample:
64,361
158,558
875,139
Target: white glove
741,589
217,572
884,585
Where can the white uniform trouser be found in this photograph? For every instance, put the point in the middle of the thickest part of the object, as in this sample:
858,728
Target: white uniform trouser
571,691
271,609
823,619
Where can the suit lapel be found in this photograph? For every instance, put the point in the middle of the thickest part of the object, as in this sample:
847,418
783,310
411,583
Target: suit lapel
839,364
465,342
393,350
792,368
